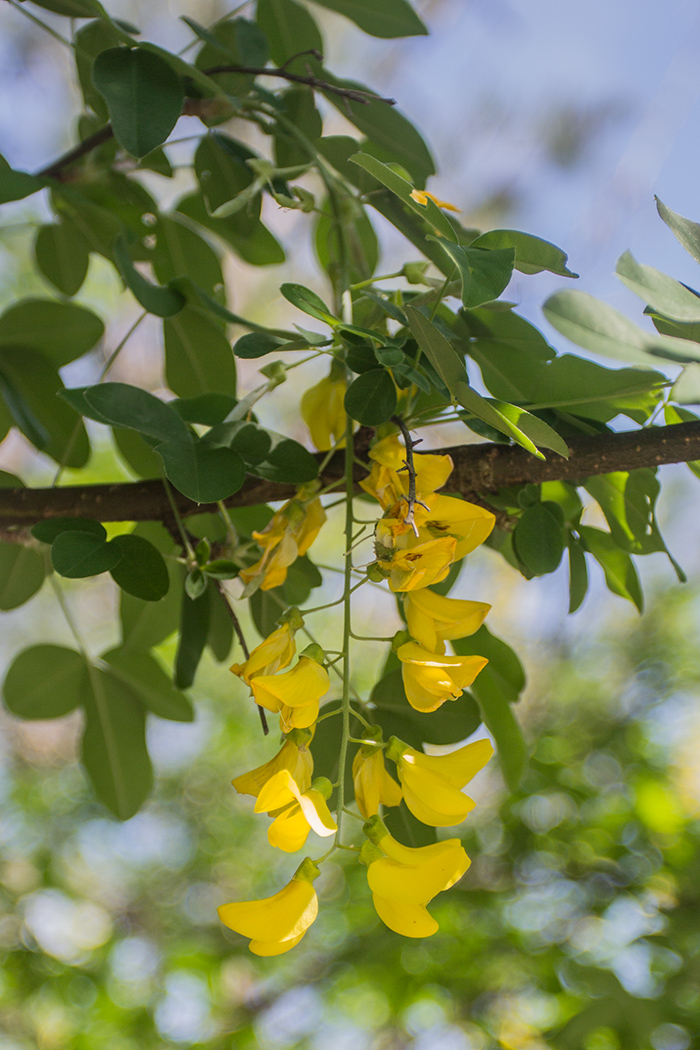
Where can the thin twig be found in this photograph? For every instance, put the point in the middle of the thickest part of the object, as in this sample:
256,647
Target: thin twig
409,467
352,94
246,652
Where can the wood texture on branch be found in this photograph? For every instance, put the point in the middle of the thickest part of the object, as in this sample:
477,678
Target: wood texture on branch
479,470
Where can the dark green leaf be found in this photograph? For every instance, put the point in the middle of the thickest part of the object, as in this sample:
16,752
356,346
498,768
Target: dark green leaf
307,301
129,406
504,727
144,96
145,624
287,461
195,584
485,273
62,256
222,172
16,185
371,398
198,357
142,673
403,189
532,254
44,682
179,252
538,539
222,569
454,721
256,344
137,454
80,554
163,302
21,575
325,748
504,670
407,828
578,574
289,29
47,531
141,570
207,409
71,8
627,501
663,294
300,110
202,473
266,607
194,629
62,332
620,572
114,749
302,577
346,237
220,637
248,237
390,18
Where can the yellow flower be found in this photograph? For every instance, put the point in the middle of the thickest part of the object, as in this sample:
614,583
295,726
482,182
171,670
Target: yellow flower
373,785
276,651
421,565
434,619
287,536
432,783
447,516
293,695
323,410
277,923
385,482
421,197
405,880
294,757
430,679
295,812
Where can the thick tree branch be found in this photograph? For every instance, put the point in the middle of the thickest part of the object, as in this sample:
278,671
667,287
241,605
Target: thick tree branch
479,470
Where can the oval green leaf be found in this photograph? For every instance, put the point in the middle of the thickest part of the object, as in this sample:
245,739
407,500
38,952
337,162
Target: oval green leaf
21,575
44,682
371,398
80,554
141,570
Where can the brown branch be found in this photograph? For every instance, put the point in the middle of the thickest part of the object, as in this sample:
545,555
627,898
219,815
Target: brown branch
55,169
479,470
353,94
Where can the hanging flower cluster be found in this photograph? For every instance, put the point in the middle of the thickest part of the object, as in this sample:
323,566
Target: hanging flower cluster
420,536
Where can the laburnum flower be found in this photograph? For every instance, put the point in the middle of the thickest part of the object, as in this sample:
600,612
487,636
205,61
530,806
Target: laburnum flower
323,409
432,784
373,785
421,197
434,618
430,679
441,516
403,879
387,484
277,923
295,694
296,812
276,651
287,536
419,566
294,756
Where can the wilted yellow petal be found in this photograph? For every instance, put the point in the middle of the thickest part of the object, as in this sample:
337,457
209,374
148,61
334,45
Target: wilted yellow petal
323,411
421,197
275,652
410,920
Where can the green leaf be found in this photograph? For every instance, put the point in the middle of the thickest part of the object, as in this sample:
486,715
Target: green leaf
300,110
302,577
198,357
222,172
220,636
686,389
289,29
248,237
628,507
62,256
30,385
539,432
538,539
504,670
346,234
532,254
16,185
594,325
371,398
142,673
485,273
21,575
596,392
403,189
266,607
663,293
163,302
502,724
61,332
620,572
453,722
141,570
390,18
145,624
207,409
47,531
44,682
128,406
307,301
144,96
578,574
202,473
686,231
71,8
114,749
137,454
287,461
89,41
179,252
194,629
256,344
405,827
80,554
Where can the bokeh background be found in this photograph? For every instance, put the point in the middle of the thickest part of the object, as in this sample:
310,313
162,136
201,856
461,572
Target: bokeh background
578,923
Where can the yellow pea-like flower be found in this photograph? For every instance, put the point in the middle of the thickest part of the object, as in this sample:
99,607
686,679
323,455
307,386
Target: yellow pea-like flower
323,410
288,535
296,812
434,618
421,197
293,757
404,880
432,784
419,566
385,482
373,785
469,524
430,679
276,923
294,695
275,652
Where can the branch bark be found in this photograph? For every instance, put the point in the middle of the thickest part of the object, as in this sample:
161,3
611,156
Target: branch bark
479,470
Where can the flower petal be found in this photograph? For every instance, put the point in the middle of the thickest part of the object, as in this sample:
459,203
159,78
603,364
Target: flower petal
286,915
410,920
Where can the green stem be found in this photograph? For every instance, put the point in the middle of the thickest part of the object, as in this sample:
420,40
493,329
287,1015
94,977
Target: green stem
192,560
347,626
